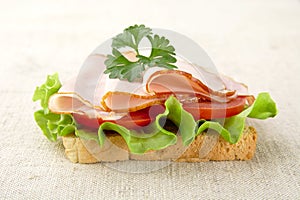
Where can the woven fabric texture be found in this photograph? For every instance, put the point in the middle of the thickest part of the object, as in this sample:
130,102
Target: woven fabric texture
256,42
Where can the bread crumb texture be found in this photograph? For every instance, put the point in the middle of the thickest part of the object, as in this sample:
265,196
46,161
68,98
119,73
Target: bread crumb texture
205,147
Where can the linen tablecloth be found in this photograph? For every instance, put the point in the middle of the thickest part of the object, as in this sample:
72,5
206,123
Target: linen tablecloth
256,42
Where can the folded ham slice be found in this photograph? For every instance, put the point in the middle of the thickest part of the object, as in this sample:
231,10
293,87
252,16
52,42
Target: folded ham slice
127,102
94,94
180,82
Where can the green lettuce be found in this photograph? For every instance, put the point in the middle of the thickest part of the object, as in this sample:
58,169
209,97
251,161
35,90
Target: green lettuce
158,137
51,124
43,93
232,129
154,136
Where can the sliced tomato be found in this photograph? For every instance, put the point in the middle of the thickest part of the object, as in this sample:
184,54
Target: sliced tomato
213,110
132,120
141,118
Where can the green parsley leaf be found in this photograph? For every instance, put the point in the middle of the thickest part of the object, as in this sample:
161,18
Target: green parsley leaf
118,66
162,53
131,37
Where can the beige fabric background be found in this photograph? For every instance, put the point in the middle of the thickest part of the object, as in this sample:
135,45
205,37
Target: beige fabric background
257,42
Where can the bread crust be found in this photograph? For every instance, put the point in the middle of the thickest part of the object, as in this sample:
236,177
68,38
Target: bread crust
205,147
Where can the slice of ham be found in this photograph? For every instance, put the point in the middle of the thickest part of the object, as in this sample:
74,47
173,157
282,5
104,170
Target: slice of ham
159,86
180,82
127,102
66,103
94,94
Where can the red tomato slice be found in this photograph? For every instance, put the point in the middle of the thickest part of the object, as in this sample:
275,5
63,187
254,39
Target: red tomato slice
132,120
141,118
214,110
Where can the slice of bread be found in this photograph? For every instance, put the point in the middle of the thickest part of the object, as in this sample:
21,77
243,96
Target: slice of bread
205,147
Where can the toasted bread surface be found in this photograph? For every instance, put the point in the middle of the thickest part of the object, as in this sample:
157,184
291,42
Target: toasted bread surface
207,146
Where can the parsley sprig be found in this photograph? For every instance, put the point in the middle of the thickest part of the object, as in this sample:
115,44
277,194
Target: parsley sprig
118,66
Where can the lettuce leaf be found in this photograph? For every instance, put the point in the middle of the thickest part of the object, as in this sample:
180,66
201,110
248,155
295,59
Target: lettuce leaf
43,93
154,136
262,108
54,125
51,124
158,138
